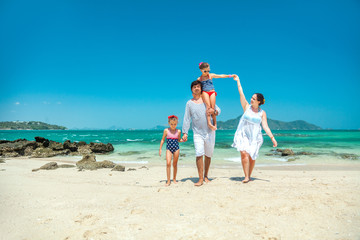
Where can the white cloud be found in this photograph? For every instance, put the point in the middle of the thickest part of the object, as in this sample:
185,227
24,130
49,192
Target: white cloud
58,103
46,103
17,103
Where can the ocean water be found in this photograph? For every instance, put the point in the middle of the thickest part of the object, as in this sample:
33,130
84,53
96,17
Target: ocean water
142,146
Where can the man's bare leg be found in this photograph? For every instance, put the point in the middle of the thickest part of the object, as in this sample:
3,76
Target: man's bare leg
207,166
200,167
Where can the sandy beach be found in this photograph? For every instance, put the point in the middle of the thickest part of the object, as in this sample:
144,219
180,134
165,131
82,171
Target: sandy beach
298,202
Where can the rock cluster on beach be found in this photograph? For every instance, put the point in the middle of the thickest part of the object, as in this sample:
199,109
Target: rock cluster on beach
292,156
43,148
88,162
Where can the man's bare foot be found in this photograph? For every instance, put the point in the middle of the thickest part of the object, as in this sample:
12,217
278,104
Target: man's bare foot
199,183
167,183
246,180
174,181
207,180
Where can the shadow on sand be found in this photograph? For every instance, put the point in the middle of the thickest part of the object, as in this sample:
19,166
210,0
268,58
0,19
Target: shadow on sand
239,179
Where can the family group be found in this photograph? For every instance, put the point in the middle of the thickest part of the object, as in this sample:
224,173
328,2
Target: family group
202,111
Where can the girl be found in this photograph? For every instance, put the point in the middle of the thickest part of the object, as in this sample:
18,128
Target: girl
208,90
172,146
248,137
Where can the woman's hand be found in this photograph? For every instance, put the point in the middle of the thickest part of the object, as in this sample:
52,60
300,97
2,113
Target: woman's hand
160,152
236,78
274,142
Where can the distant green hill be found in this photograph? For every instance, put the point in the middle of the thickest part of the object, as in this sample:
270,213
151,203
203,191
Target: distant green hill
32,125
273,125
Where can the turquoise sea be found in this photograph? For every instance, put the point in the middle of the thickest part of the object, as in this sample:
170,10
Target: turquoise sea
142,146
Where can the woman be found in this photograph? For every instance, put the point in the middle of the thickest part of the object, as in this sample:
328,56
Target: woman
248,137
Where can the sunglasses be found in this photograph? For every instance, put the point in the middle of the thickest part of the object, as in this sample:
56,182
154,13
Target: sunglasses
206,71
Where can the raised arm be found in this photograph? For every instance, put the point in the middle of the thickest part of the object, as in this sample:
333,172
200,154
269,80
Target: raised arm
267,129
213,75
162,141
243,101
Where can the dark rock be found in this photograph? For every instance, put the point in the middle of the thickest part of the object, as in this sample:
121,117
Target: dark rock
23,147
84,149
118,168
71,146
48,166
28,151
18,146
2,161
11,154
56,146
87,162
131,169
182,154
287,152
47,152
66,166
81,143
291,159
40,139
349,156
305,153
101,147
106,164
46,143
279,150
144,167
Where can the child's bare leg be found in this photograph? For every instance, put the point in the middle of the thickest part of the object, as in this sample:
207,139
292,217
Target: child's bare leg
168,166
212,105
206,99
175,160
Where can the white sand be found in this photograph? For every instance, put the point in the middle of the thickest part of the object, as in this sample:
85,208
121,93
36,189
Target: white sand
305,202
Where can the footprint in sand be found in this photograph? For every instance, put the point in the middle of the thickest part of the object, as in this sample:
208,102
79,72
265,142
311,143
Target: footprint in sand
88,219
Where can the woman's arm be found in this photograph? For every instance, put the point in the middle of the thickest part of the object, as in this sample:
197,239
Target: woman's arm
162,141
267,129
243,101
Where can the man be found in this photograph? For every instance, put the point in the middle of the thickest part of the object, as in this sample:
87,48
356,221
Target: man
204,137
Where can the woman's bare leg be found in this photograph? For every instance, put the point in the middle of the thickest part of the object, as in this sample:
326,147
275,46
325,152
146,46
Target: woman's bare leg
252,165
246,165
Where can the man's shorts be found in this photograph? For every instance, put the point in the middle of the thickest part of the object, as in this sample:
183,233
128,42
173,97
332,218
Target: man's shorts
204,146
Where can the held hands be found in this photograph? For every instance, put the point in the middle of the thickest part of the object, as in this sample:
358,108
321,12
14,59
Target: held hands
184,137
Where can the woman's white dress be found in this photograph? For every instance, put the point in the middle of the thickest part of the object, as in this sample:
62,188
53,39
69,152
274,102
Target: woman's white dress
248,136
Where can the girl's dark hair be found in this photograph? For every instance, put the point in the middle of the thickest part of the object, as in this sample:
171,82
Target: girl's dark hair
204,65
260,98
194,83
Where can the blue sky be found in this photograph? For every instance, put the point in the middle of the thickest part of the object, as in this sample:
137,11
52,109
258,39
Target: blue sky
96,64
